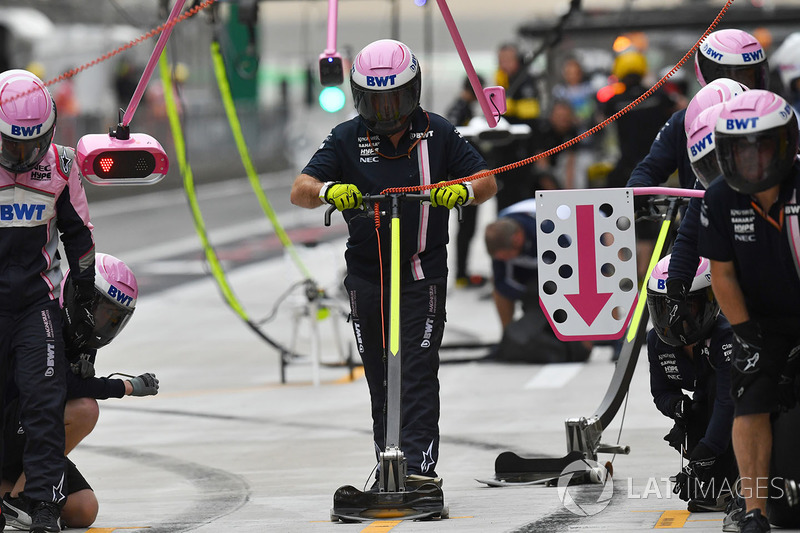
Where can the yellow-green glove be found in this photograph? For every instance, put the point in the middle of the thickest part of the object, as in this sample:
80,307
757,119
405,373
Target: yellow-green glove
341,195
458,193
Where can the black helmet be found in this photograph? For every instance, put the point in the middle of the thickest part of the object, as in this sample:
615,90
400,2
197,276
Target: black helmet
703,307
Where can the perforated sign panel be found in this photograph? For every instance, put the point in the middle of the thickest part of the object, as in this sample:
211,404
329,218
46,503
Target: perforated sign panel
587,261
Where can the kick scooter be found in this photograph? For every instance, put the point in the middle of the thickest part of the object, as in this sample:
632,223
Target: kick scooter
393,499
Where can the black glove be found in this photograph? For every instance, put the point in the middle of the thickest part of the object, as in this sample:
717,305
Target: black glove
701,462
680,409
685,484
641,205
678,308
83,367
144,385
689,481
676,437
82,323
746,356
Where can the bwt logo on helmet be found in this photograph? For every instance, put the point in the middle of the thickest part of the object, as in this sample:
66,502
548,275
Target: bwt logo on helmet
713,54
701,145
748,57
741,123
118,295
21,211
381,81
26,131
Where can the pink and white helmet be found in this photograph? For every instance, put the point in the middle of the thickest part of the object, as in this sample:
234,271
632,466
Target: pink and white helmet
27,120
756,139
703,307
116,291
716,92
386,82
786,60
700,145
732,54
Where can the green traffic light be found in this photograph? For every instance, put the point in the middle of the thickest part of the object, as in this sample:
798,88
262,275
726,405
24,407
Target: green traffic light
331,99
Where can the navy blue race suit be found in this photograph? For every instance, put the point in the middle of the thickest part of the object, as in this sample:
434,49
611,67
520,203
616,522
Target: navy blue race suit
733,230
685,257
706,374
514,278
349,155
667,154
34,208
708,418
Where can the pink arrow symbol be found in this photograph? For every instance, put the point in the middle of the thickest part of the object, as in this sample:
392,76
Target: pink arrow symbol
588,302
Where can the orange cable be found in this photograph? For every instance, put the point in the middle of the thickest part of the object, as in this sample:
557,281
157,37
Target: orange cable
580,137
109,55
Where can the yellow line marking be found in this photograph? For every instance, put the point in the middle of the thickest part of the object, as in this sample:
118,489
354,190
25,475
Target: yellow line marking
672,520
380,525
358,373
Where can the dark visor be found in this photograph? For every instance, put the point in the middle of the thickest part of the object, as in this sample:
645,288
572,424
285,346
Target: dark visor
706,169
386,112
109,319
22,156
753,76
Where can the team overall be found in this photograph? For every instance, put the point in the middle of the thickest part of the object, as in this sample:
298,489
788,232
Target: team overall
768,277
34,207
430,151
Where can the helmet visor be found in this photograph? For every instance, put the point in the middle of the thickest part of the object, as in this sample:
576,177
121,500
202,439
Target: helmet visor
387,112
689,329
109,318
23,155
755,162
753,76
706,168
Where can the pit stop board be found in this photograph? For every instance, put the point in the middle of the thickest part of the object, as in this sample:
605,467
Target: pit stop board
586,244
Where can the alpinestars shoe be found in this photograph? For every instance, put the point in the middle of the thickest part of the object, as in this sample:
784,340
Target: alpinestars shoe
44,518
17,511
733,513
754,522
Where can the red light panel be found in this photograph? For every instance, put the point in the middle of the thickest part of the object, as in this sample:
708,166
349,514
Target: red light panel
106,163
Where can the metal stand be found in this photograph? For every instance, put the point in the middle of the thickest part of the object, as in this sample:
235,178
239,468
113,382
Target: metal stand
585,433
308,311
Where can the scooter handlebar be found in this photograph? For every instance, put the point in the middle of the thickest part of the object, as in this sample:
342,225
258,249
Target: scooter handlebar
372,198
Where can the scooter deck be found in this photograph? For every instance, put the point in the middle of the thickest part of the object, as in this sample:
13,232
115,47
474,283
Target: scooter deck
353,505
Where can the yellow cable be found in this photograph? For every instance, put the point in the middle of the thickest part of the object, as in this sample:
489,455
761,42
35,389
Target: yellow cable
188,183
241,146
637,314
